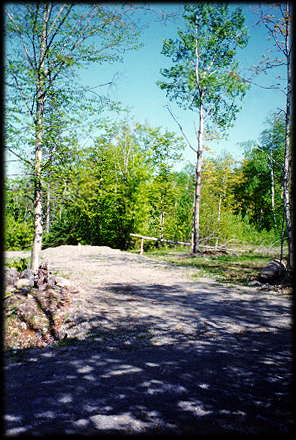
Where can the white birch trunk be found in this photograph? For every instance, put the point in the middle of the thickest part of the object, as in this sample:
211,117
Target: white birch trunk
39,124
47,224
161,223
218,219
197,187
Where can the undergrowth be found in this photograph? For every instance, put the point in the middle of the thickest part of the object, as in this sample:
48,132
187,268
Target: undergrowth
20,264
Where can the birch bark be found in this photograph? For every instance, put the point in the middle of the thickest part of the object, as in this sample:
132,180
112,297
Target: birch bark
218,220
39,137
47,224
197,186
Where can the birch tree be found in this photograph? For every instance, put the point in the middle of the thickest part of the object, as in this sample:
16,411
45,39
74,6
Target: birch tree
258,195
46,44
204,77
278,23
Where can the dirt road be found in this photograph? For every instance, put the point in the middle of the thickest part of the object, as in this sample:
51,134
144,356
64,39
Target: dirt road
148,350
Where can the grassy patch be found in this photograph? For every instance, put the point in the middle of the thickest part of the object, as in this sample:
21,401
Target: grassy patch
60,274
228,268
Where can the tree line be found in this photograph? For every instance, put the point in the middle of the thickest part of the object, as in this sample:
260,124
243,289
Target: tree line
124,181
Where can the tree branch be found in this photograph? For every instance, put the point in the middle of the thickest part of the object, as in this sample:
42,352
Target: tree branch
20,90
181,129
11,18
20,157
264,87
58,27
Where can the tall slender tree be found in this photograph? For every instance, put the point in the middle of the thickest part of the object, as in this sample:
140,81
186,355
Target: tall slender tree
204,77
278,23
45,45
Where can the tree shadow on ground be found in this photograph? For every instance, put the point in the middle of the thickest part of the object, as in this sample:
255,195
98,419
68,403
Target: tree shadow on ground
221,383
210,301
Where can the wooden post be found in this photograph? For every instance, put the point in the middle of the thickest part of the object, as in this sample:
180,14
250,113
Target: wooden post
142,246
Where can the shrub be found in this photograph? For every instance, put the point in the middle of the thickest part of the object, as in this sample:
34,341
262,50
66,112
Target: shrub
20,264
17,235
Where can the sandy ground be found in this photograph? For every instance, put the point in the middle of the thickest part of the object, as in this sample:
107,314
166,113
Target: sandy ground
148,350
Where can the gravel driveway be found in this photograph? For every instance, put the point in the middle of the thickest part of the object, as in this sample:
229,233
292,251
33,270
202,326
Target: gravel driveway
149,351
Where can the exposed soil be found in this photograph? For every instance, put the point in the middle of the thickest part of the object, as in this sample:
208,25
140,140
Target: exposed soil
148,350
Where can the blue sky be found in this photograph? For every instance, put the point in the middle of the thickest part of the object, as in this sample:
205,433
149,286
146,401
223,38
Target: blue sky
136,88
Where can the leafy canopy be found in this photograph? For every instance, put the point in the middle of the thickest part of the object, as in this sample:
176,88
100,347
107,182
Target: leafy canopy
204,71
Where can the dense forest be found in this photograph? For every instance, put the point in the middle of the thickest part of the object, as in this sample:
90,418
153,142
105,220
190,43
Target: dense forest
125,180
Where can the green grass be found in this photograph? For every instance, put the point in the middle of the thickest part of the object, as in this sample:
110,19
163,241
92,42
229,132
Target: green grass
229,268
60,274
19,263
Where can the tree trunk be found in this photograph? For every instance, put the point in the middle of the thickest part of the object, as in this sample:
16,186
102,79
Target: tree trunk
197,187
161,223
47,222
287,189
38,230
272,194
287,180
39,135
218,219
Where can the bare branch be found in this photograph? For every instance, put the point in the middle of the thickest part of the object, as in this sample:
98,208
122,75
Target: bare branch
20,157
99,85
181,129
271,26
249,81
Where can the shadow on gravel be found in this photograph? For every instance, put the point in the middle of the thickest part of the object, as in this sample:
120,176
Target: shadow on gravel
212,301
239,384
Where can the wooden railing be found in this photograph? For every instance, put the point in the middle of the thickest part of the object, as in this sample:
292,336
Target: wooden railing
163,240
184,243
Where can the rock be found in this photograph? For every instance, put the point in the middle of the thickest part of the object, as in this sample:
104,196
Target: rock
254,283
11,275
9,288
27,273
25,291
63,282
23,282
274,272
51,281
